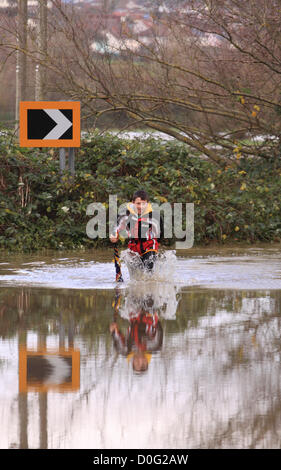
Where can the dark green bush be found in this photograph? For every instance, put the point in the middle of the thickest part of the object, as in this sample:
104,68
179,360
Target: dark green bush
39,208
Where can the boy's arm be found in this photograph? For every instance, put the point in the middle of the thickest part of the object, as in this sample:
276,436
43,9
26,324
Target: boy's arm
119,339
121,225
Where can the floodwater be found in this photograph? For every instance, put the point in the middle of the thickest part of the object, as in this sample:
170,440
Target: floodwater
189,357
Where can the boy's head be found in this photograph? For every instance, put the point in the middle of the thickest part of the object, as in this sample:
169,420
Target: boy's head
140,362
140,200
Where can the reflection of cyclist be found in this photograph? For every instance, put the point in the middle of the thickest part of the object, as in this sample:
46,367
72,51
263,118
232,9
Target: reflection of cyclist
144,336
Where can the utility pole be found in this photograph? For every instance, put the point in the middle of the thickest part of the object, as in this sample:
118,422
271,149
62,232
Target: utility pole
21,64
42,49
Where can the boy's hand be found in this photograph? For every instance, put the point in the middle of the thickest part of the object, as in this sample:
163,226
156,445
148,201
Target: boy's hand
113,239
113,327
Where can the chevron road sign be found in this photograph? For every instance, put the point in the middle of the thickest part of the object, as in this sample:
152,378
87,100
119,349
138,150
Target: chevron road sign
45,370
49,124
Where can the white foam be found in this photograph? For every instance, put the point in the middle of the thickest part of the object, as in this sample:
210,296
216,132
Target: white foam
155,291
164,267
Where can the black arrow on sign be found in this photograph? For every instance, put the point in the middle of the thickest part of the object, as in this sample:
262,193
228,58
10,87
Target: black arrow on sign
45,124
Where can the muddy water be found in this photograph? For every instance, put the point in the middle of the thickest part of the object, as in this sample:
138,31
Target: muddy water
188,358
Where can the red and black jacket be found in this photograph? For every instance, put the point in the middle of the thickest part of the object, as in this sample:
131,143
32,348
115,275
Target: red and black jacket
143,334
143,230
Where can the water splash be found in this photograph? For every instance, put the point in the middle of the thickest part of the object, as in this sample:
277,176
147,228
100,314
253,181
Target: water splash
152,291
164,267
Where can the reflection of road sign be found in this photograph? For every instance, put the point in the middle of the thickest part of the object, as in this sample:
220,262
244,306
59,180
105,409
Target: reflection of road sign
49,370
49,124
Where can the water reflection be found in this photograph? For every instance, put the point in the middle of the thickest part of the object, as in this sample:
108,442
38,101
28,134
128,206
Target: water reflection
44,370
144,334
66,368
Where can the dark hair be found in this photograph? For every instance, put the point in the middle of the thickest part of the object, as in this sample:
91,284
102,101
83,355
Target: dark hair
142,194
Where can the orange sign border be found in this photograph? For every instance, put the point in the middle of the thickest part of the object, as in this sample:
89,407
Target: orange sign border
38,387
26,105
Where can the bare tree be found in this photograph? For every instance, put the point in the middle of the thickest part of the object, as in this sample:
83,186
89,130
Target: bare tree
42,27
21,67
207,73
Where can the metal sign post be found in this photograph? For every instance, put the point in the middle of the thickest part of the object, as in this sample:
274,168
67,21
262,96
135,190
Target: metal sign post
62,160
71,160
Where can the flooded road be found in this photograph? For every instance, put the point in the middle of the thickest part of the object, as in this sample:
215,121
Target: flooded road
190,358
